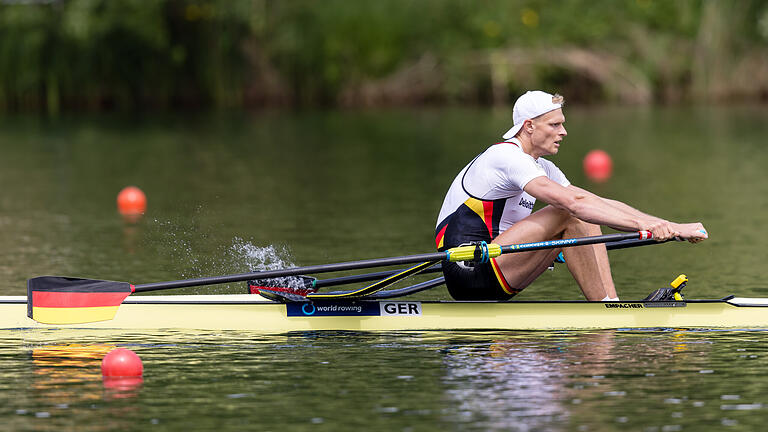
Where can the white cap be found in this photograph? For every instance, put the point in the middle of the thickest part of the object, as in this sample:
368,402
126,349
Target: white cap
530,105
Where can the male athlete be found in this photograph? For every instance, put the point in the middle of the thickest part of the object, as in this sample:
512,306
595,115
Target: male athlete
492,200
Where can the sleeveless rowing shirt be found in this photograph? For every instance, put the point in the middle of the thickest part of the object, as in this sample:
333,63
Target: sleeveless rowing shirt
487,196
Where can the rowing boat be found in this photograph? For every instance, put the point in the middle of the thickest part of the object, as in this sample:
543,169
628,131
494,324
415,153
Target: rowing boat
252,312
66,302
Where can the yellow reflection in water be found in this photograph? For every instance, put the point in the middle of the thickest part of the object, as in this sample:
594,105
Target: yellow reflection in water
60,366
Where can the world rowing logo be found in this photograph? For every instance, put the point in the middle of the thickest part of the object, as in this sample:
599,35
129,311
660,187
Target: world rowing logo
365,308
333,308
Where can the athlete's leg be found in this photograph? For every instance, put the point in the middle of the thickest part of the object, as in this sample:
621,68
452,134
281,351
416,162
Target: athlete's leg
588,264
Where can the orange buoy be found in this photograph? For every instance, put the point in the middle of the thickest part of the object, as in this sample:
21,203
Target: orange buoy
598,166
131,201
121,362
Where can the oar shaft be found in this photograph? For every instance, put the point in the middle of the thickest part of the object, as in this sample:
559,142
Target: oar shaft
637,242
462,253
401,292
295,271
367,277
581,241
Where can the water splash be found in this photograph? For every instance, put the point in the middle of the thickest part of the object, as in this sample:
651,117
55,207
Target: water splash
259,258
265,258
195,255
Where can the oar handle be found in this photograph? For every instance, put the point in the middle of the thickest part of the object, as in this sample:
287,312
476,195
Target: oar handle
483,252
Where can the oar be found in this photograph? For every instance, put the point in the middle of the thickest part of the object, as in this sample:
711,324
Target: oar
482,253
284,296
376,286
64,300
367,277
341,280
402,292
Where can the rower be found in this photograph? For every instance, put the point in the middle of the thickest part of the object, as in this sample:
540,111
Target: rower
492,198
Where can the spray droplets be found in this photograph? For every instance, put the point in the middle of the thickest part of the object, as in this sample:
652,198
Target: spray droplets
259,258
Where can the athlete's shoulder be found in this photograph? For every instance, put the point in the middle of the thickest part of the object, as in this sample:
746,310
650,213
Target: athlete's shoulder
553,172
506,146
506,151
546,163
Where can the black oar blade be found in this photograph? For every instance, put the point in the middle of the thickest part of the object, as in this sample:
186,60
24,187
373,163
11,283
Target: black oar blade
65,300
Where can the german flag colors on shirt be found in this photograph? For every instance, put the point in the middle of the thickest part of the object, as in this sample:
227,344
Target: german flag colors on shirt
484,209
473,220
62,300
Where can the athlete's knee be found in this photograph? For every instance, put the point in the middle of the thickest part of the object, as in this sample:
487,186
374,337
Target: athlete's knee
556,217
574,224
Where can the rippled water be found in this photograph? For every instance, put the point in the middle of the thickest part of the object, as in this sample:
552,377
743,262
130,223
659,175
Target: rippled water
231,193
327,187
561,381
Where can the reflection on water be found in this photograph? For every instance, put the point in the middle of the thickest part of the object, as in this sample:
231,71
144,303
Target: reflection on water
122,387
65,375
232,193
57,366
519,382
589,381
523,381
366,185
55,386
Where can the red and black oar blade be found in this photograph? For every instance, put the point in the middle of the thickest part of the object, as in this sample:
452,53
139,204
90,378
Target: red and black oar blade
65,300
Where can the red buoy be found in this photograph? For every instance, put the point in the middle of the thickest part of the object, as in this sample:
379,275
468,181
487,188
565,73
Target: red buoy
131,201
121,362
598,166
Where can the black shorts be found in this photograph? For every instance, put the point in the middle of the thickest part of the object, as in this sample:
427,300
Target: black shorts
478,282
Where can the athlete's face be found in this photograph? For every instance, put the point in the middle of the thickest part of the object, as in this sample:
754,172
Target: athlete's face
548,131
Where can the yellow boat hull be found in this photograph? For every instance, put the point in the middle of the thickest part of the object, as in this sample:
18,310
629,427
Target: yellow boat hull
253,313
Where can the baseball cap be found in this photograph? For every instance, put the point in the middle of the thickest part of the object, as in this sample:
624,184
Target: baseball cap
530,105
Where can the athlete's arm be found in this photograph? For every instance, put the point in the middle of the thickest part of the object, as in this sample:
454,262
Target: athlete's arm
693,232
618,204
591,208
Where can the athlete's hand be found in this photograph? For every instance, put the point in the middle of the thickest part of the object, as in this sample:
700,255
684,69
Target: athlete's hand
693,232
662,230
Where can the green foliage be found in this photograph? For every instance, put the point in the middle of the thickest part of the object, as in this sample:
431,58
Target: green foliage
134,54
123,54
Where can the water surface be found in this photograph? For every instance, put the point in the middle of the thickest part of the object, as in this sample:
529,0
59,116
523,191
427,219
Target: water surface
523,381
233,192
330,187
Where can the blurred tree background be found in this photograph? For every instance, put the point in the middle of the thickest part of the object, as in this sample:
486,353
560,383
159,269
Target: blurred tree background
126,55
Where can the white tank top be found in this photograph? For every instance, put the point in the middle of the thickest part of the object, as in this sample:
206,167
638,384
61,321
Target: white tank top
500,172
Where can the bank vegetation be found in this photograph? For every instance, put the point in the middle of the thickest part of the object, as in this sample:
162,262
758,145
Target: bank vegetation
95,55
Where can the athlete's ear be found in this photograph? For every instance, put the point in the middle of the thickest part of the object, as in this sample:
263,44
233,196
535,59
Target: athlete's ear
528,126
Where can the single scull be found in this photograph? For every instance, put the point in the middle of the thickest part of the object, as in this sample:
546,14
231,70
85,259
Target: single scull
254,313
